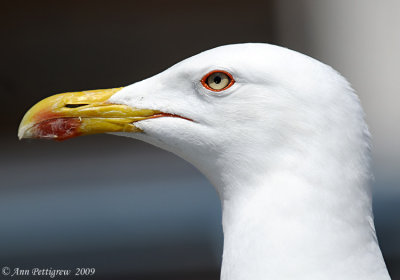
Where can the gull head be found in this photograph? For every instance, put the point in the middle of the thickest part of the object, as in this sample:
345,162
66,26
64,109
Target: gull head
226,110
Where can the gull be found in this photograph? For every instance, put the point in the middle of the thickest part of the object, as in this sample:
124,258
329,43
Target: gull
280,135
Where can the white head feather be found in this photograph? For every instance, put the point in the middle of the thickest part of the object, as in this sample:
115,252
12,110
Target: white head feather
287,149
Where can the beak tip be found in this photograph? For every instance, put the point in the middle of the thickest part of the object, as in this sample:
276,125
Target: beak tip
23,132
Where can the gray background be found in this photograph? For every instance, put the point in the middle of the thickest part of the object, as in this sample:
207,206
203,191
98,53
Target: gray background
128,209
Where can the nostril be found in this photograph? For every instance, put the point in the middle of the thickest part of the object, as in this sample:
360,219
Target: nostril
74,105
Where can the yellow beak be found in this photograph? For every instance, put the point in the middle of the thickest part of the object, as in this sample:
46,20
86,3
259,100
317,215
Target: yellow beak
72,114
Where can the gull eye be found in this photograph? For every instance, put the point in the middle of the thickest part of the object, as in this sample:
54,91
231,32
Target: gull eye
217,80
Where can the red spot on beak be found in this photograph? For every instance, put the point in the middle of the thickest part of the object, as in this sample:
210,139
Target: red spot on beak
58,128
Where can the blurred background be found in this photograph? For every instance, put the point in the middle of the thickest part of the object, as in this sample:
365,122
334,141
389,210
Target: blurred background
126,208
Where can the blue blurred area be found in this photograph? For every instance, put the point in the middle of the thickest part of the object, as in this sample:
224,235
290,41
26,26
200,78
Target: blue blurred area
386,197
107,202
125,208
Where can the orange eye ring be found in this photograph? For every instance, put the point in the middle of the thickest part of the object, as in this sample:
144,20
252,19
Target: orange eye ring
225,75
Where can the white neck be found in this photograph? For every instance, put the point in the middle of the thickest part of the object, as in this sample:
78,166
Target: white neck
296,221
297,212
285,229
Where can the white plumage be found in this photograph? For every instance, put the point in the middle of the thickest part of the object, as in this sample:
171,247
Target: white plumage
287,149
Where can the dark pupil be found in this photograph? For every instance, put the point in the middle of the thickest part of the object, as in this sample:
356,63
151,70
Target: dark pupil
217,79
